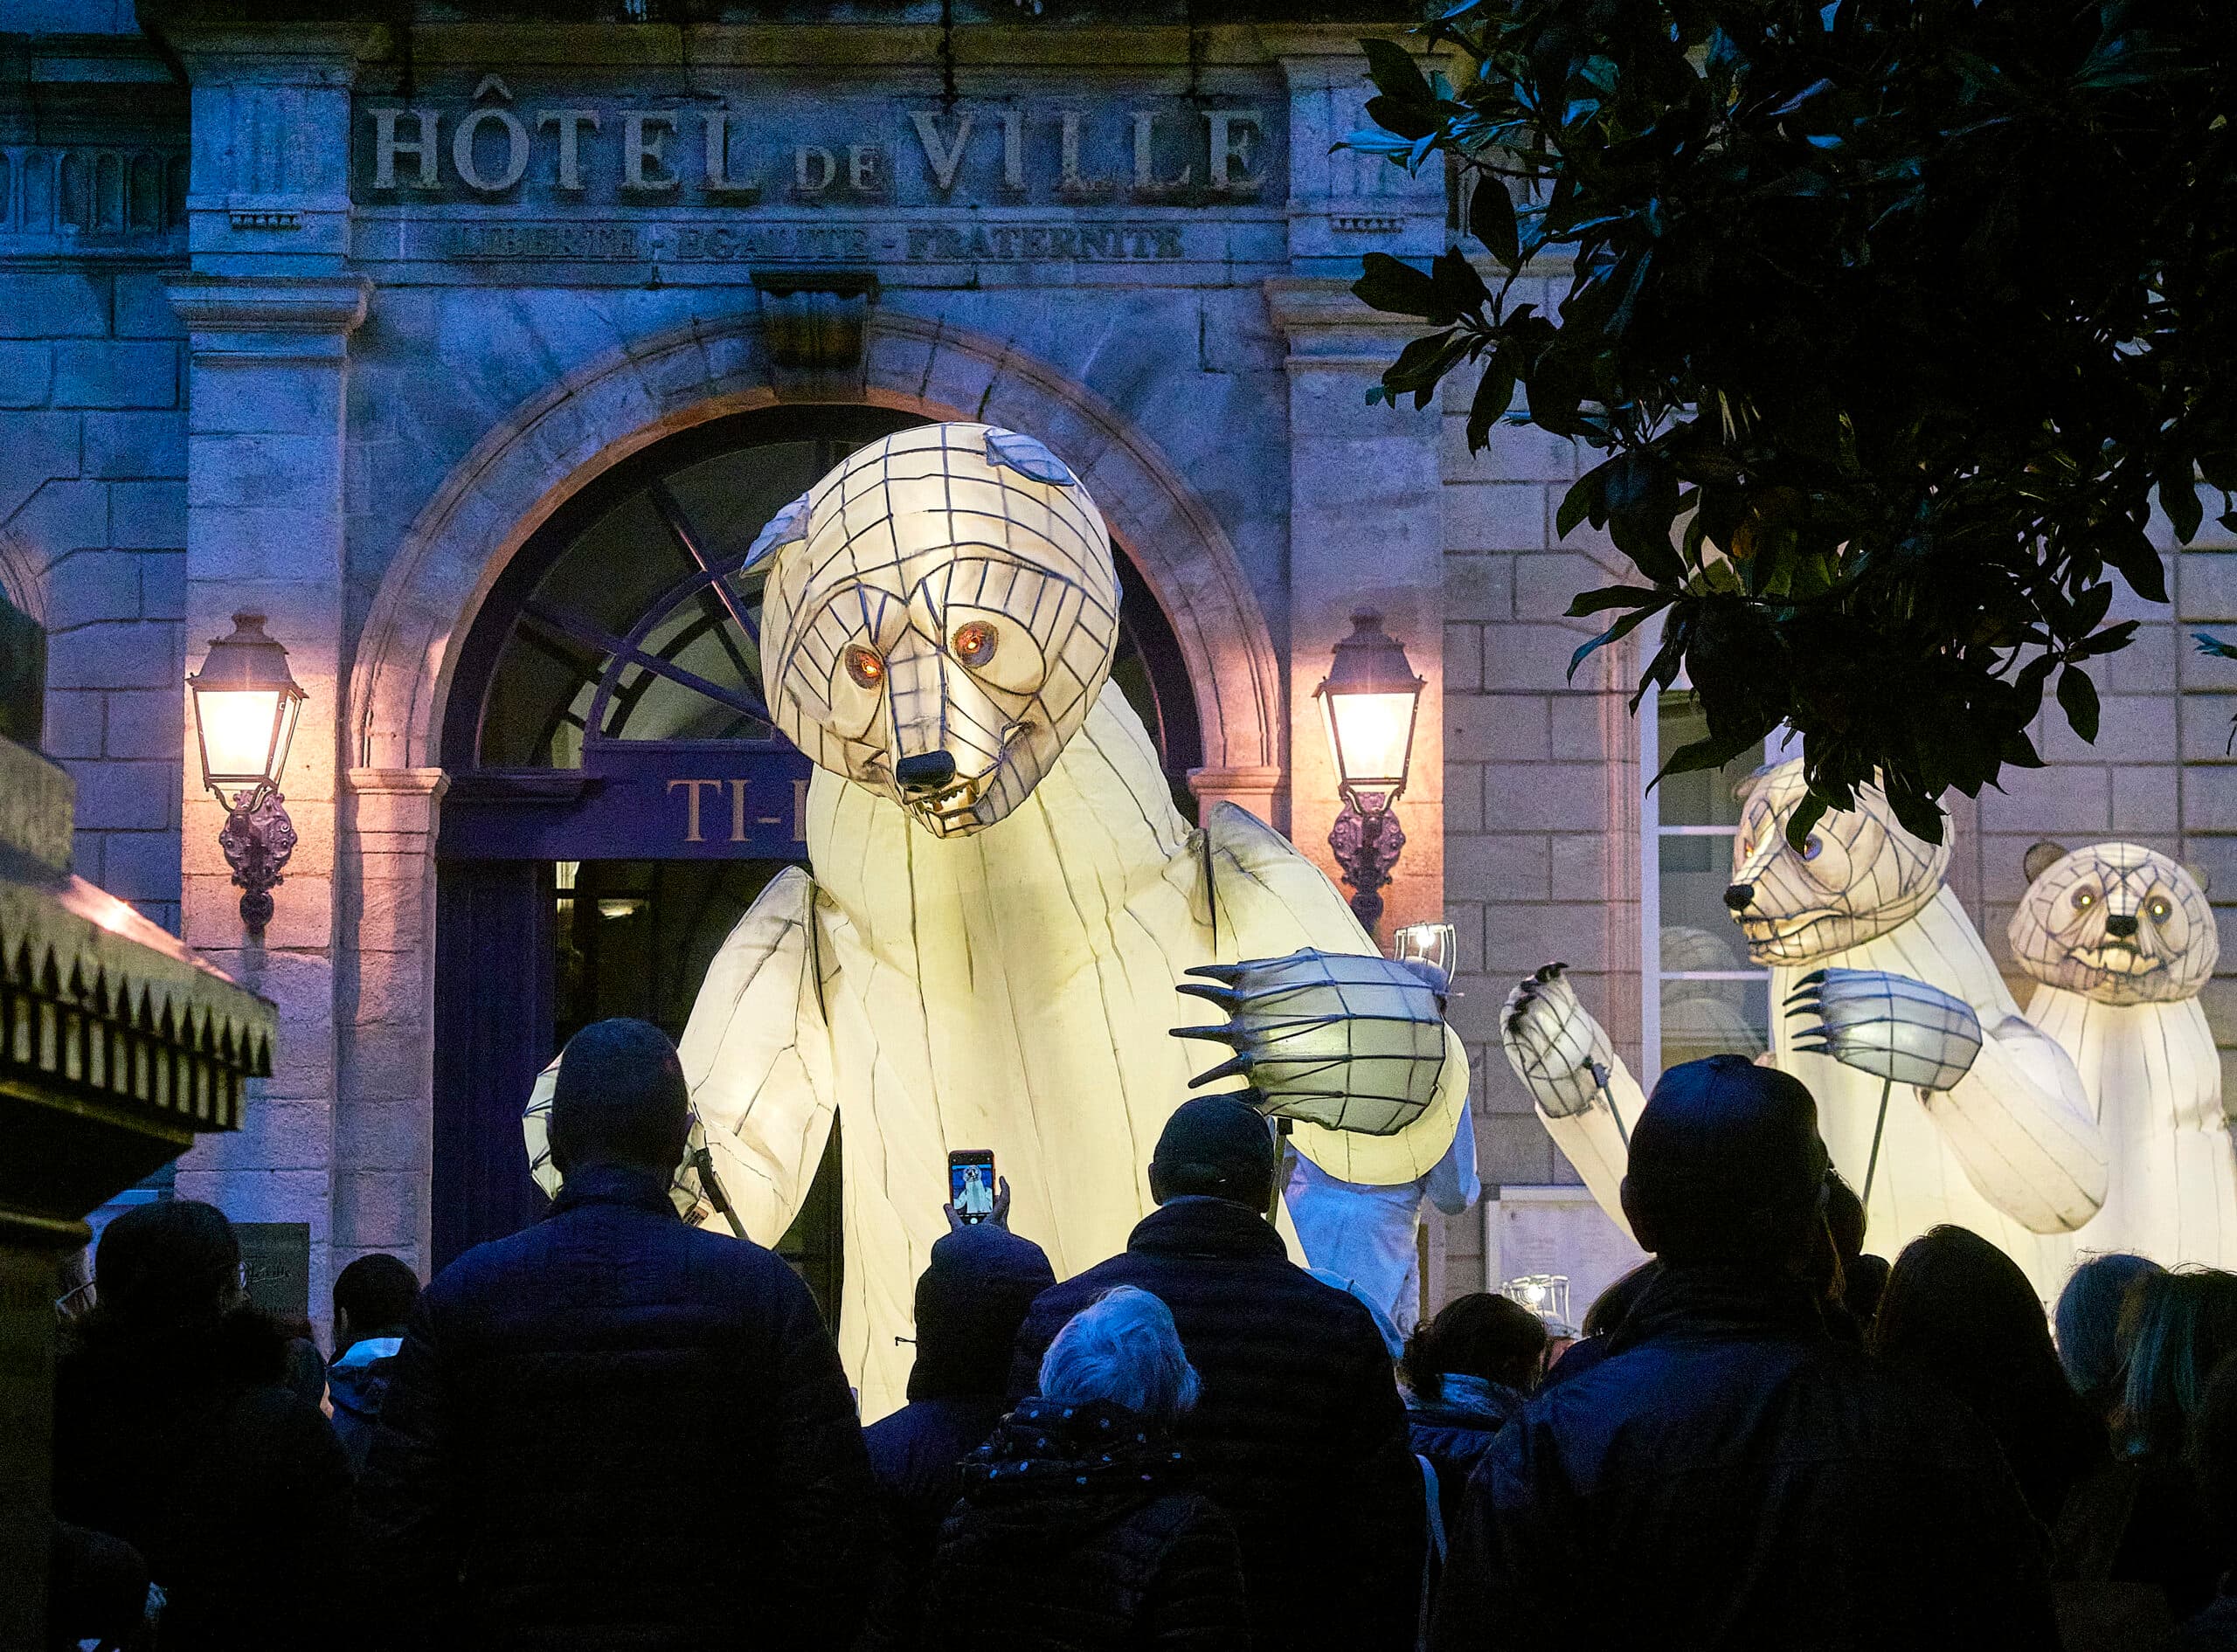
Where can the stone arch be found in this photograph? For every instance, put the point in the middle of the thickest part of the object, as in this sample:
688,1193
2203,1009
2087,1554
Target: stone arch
22,574
614,406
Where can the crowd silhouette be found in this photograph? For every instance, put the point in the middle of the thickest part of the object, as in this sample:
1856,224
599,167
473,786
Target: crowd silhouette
615,1430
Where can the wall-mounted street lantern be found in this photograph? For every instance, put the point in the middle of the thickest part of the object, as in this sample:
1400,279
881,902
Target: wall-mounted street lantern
246,703
1367,704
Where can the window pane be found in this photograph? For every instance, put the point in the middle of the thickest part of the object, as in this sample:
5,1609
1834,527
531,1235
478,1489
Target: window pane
1713,1018
1695,873
1703,797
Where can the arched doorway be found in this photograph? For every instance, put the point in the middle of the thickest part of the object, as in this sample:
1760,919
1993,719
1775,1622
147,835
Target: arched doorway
617,797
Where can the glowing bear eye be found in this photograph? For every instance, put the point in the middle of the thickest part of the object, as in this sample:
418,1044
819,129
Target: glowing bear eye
2084,899
1811,846
974,642
2160,910
864,666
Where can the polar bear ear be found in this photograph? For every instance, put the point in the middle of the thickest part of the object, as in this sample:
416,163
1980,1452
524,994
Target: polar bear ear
781,529
2197,874
1748,782
2041,858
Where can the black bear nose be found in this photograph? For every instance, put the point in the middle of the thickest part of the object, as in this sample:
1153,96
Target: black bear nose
2121,925
926,771
1740,896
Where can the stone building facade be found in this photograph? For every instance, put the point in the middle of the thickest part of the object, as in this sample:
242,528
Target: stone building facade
346,321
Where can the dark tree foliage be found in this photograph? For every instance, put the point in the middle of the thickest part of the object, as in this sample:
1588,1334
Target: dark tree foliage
1890,316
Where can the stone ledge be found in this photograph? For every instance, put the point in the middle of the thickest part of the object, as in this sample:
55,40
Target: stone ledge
334,304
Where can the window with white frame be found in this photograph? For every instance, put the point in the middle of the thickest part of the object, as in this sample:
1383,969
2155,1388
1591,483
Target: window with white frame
1701,996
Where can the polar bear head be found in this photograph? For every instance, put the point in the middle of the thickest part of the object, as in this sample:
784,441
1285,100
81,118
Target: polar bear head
940,613
2116,923
1857,875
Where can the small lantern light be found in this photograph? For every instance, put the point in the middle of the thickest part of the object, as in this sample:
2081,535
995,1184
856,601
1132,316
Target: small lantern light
245,704
1368,703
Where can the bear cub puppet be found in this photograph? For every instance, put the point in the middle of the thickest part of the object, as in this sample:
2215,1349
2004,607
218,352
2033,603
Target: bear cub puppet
2120,941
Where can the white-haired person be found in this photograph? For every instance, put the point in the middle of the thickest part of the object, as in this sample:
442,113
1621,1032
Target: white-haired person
1077,1528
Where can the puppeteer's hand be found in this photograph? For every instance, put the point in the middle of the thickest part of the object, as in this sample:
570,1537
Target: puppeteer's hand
998,1217
1553,1043
1890,1025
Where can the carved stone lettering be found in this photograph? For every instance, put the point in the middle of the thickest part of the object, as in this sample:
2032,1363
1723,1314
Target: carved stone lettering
462,155
859,148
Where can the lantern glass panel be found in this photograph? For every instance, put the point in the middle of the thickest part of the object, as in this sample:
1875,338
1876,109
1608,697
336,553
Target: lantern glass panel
242,744
1370,735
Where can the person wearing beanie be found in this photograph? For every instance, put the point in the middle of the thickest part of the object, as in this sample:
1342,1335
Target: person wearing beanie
970,1301
1297,1434
615,1430
1730,1474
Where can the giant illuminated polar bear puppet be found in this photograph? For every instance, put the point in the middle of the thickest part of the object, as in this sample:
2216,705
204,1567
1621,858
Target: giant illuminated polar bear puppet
2120,940
1985,1122
1002,899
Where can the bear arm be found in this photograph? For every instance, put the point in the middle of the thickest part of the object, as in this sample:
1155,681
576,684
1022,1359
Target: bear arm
1592,1143
1268,900
757,1053
2022,1125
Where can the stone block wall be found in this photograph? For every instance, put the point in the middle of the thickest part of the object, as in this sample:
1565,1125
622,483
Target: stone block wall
92,507
1541,781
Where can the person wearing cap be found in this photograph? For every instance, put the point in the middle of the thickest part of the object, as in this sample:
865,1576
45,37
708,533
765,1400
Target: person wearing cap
612,1429
970,1301
1729,1475
1299,1433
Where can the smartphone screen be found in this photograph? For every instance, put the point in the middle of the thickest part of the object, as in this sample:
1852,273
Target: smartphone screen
971,1182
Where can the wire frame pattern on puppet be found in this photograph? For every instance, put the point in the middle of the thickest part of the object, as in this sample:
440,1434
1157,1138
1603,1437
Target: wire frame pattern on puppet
1857,876
1890,1025
1343,1041
948,589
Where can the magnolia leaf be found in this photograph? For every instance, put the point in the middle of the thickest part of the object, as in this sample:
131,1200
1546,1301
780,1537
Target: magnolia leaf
1491,219
2078,699
1399,289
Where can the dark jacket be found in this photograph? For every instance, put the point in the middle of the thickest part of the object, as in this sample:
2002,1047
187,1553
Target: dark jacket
1076,1534
615,1431
357,1382
1730,1476
2213,1630
970,1300
1455,1430
1299,1433
184,1444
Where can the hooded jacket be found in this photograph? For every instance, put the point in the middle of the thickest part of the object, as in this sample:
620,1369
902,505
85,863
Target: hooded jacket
970,1301
1730,1476
1298,1435
1076,1534
1455,1429
357,1382
184,1442
612,1431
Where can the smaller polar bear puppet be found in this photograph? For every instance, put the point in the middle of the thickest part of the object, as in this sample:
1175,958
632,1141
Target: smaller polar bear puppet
2120,939
1932,1091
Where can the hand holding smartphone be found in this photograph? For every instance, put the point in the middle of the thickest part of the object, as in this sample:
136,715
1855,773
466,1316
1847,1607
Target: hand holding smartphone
974,1193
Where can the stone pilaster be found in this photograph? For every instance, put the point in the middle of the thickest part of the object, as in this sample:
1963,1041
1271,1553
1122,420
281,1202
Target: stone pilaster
385,994
268,311
1366,530
269,189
